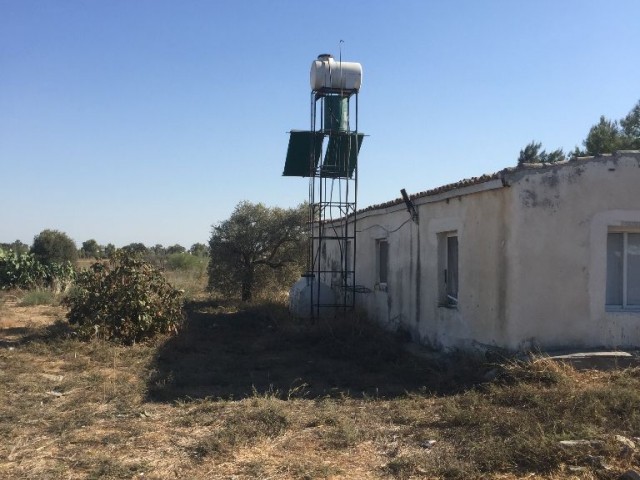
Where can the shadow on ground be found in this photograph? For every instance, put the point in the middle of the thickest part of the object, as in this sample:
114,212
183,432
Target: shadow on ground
17,336
227,353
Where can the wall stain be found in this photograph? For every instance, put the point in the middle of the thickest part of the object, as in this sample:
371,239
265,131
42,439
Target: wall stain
551,179
530,199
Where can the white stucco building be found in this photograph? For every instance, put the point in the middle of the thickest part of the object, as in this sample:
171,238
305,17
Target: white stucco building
530,257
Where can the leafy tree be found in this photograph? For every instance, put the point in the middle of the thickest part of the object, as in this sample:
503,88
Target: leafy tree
90,249
158,249
135,247
256,246
127,301
532,153
604,137
176,249
607,136
109,250
199,250
631,128
52,246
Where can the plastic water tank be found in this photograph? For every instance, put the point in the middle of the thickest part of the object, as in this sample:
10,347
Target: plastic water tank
327,73
301,293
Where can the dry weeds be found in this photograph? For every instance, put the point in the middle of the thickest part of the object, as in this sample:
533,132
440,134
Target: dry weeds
249,393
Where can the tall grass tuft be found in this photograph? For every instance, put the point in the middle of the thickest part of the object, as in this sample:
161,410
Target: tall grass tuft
38,297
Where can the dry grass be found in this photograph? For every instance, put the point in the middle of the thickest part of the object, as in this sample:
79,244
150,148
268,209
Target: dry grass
250,393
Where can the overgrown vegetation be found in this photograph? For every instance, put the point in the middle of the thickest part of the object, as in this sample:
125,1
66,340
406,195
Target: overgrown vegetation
125,300
252,393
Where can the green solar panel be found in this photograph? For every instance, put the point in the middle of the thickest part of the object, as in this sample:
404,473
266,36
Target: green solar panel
303,152
342,155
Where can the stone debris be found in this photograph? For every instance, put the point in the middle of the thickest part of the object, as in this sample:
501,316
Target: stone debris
598,462
428,444
627,443
580,443
576,469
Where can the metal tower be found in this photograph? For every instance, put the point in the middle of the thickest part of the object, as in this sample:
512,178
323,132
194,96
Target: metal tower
328,155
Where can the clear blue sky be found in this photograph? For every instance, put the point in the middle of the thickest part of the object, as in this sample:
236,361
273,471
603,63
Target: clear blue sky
149,120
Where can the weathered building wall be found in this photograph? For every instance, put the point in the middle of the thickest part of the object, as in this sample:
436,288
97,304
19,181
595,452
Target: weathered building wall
411,299
558,269
532,258
480,221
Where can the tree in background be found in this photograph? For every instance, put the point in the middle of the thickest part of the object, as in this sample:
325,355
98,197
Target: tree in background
199,250
135,247
54,247
109,250
631,128
90,249
532,153
257,248
17,247
176,249
606,136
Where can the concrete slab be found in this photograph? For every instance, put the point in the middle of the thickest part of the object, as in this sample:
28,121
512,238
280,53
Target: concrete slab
600,360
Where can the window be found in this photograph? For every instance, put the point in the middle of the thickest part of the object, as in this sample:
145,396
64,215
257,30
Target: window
623,271
448,260
382,250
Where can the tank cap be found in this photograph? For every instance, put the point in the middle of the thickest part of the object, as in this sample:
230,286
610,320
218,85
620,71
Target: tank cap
325,57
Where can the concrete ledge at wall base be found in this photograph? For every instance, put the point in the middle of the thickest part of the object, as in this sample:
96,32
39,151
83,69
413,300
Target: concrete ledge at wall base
600,360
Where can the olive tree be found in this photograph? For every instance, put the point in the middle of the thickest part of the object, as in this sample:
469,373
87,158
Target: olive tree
54,247
256,248
90,249
199,250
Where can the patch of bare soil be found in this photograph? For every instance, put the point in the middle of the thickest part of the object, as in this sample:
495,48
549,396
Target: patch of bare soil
17,321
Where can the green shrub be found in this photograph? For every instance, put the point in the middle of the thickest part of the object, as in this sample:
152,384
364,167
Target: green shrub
23,270
186,261
126,300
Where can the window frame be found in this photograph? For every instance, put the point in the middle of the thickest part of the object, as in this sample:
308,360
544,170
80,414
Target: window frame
624,306
445,299
380,282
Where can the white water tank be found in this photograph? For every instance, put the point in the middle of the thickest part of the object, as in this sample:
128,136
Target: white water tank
301,294
327,73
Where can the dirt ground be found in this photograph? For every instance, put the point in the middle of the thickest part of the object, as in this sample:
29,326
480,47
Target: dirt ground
248,393
17,321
